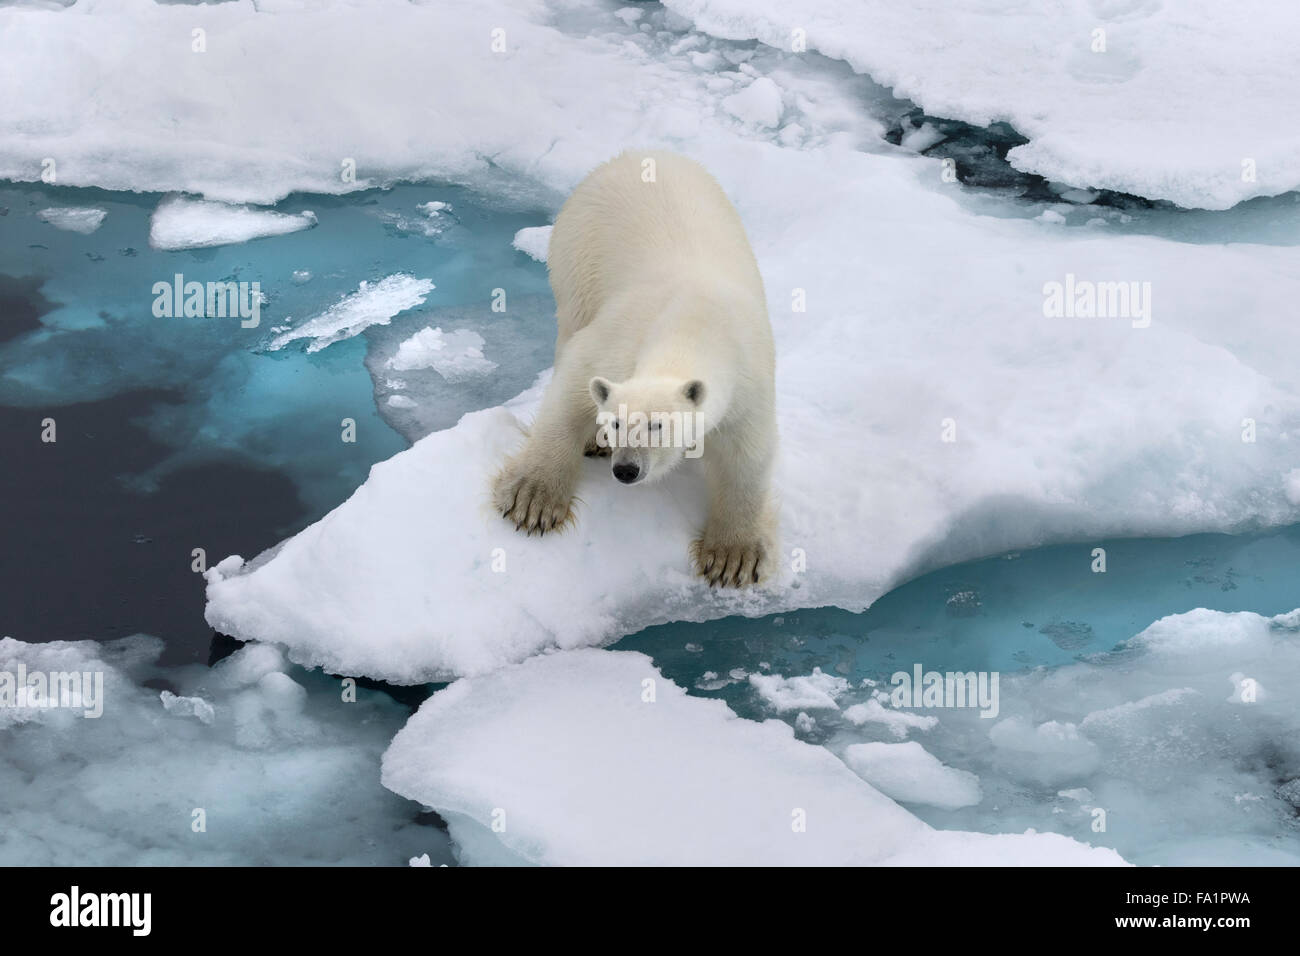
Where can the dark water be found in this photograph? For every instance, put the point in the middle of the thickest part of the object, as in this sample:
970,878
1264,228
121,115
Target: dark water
86,556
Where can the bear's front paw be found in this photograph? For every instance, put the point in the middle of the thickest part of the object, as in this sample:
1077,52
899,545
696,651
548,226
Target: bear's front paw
534,504
730,564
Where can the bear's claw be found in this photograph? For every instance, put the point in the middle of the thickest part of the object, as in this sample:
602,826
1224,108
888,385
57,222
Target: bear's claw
533,505
730,566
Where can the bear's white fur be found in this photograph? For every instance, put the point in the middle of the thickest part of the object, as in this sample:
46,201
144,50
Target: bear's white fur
661,312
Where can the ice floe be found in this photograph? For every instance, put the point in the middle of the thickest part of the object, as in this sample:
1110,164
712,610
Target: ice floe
180,223
664,779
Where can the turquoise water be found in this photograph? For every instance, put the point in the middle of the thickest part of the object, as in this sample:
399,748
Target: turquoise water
96,336
184,433
1039,608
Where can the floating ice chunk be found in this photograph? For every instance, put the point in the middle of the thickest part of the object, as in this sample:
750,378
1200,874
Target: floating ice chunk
758,104
1115,96
421,860
431,222
455,356
188,707
374,303
1050,752
815,691
899,722
909,774
666,779
180,223
82,219
534,241
401,401
1083,197
922,138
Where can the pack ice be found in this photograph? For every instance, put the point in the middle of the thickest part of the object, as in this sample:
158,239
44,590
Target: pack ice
1193,102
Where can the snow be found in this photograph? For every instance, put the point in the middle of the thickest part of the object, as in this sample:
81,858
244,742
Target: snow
82,219
374,303
1193,102
758,104
975,425
455,356
238,741
180,223
907,773
533,241
681,780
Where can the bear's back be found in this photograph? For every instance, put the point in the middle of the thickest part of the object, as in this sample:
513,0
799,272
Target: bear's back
643,217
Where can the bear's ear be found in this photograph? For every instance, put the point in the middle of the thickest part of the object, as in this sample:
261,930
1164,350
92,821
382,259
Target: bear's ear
600,389
694,392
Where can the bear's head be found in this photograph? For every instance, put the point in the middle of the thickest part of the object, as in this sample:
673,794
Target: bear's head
648,424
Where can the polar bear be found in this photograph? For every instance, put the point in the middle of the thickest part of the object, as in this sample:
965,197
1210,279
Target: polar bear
664,352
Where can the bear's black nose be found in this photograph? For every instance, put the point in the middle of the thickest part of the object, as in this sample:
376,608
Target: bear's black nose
626,472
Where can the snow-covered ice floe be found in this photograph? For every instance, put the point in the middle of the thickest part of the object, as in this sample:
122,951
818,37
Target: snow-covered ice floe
1193,101
180,223
936,401
679,780
110,71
